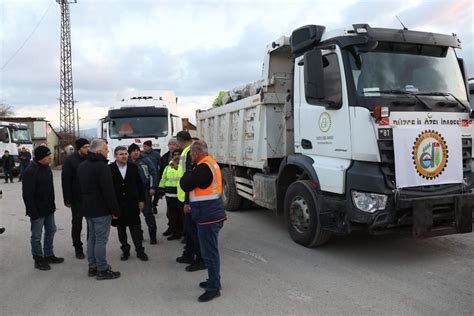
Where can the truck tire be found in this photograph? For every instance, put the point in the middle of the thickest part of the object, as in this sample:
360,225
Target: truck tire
302,215
232,200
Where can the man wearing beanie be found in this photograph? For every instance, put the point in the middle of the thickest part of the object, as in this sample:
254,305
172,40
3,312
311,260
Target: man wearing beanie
149,177
154,156
164,162
38,195
72,194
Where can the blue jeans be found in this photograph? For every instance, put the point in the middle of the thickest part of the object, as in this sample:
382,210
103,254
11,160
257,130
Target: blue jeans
99,229
37,230
210,253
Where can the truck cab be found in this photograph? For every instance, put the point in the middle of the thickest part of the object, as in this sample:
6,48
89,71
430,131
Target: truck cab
141,116
385,117
13,137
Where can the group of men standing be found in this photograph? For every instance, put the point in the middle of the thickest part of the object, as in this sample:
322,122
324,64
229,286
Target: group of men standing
8,163
115,194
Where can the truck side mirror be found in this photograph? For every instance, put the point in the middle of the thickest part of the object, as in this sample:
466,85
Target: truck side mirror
313,76
3,135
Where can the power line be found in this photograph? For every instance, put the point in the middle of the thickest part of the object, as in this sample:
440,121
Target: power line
28,38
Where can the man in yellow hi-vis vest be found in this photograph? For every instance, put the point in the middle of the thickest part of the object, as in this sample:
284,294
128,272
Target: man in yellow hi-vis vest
192,252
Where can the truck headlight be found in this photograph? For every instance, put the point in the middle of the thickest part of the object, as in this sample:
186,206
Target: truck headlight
369,202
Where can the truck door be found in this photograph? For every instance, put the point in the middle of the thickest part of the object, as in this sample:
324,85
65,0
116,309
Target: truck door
324,133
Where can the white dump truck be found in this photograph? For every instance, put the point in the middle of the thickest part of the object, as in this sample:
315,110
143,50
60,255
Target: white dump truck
140,116
361,128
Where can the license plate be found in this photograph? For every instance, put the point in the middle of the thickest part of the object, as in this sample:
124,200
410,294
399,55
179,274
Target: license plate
385,133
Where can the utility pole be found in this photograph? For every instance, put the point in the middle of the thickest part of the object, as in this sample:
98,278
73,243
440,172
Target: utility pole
78,129
66,97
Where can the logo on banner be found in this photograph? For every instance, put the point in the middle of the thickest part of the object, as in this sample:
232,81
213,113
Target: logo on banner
324,122
430,154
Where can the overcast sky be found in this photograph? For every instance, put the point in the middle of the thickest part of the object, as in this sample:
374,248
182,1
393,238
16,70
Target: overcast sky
195,48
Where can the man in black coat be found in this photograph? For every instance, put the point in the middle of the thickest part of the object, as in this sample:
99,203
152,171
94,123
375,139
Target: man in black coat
72,194
25,157
131,198
98,205
8,164
38,195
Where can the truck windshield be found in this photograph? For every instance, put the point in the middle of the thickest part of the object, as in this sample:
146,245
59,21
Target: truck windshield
133,127
21,136
419,69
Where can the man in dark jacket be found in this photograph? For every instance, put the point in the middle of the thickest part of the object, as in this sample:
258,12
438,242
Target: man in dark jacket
149,177
204,184
38,195
98,205
8,164
72,194
164,162
155,158
25,157
131,198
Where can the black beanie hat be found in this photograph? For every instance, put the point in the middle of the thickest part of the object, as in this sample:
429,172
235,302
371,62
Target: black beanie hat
133,147
80,142
41,152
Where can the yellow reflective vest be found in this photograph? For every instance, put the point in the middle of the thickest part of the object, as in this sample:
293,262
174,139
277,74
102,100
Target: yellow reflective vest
181,170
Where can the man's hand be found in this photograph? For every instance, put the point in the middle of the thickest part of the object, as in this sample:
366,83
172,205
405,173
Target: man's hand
152,191
114,216
187,209
141,206
68,205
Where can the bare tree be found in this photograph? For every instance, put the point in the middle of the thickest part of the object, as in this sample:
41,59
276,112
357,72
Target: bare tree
6,110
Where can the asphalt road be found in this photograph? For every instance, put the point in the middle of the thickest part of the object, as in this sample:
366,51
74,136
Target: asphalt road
263,272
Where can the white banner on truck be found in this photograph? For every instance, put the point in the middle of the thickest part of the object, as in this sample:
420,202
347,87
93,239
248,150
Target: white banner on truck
427,155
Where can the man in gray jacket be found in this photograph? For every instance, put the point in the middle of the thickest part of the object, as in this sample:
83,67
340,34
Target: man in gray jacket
149,178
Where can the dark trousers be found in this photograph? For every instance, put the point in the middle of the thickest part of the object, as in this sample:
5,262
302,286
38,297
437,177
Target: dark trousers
77,226
22,169
8,173
149,217
137,238
155,199
192,248
175,216
210,253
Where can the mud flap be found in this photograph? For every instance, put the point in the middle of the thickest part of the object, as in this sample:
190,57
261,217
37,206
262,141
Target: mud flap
422,218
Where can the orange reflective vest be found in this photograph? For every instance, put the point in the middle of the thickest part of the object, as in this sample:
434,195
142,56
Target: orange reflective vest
212,192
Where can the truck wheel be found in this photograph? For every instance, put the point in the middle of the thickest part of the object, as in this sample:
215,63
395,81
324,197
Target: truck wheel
230,197
302,216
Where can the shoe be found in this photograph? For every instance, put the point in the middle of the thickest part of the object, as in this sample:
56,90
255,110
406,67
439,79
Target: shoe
173,237
203,285
142,256
124,256
209,295
41,264
185,259
92,271
2,230
167,232
53,259
155,210
80,254
107,274
196,266
153,240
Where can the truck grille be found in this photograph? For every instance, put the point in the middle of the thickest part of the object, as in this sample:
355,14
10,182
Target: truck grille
388,169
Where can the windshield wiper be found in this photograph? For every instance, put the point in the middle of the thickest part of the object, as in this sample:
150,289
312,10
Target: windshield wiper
404,92
443,94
